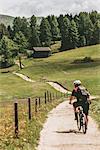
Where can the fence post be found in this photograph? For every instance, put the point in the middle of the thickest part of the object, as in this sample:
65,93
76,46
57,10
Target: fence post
39,102
36,105
48,95
29,108
45,98
16,118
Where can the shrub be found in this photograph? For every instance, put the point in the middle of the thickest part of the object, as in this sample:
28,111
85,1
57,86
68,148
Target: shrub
84,60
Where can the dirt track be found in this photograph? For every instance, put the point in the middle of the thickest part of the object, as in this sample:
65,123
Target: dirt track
60,132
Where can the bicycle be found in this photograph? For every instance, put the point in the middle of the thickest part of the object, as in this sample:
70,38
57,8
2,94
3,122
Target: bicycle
81,119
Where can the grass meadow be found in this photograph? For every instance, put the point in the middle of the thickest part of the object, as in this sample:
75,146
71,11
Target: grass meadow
59,67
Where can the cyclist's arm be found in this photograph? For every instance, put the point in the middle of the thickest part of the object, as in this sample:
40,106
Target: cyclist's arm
71,97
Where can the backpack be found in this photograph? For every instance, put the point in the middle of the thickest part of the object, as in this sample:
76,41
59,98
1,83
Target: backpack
82,93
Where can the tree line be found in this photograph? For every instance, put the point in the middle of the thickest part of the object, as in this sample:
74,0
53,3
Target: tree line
73,31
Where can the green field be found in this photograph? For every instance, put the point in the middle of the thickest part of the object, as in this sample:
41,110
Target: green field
58,67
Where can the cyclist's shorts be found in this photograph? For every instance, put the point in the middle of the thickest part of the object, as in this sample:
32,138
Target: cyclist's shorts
85,106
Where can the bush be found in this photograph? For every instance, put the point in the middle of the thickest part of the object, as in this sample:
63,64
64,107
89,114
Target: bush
6,64
87,59
84,60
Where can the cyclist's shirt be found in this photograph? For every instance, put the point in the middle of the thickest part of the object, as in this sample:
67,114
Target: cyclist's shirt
80,93
81,99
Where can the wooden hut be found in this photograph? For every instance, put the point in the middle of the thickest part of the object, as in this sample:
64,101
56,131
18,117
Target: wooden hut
41,52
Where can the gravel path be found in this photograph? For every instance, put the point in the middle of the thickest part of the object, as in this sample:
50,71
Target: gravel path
58,87
23,77
60,132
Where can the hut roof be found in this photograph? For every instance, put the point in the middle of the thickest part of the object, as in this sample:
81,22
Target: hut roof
41,49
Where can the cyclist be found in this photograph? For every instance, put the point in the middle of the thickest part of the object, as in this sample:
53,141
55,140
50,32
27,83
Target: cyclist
82,96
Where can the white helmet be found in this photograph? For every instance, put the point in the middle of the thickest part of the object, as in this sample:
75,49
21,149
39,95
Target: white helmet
77,82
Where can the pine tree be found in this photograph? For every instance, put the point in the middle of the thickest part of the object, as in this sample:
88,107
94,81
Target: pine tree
82,41
60,22
96,34
94,16
65,38
7,45
10,32
25,27
86,27
45,34
34,34
21,41
16,25
74,35
34,38
54,27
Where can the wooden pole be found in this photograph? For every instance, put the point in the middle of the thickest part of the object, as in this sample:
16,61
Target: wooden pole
48,96
16,118
36,105
29,108
45,98
39,102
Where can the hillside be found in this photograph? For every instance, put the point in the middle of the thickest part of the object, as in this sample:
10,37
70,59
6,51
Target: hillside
8,20
59,67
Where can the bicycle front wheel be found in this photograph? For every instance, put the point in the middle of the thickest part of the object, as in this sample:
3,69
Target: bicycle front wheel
78,121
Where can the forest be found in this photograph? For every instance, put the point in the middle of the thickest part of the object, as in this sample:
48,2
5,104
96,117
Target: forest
73,31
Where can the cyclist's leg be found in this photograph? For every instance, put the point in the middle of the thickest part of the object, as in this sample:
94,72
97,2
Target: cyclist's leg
75,104
86,110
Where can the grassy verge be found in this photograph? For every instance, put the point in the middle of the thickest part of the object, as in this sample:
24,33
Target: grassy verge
95,111
28,130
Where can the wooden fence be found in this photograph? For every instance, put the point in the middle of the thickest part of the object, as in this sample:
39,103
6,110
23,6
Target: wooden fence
37,102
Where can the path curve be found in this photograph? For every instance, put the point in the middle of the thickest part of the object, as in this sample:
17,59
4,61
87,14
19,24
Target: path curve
55,85
26,78
60,132
63,90
58,87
